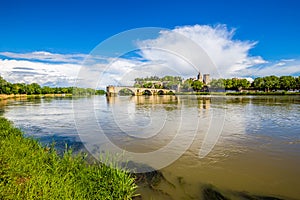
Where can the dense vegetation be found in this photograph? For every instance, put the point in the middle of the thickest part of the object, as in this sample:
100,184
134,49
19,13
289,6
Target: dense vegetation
267,83
30,171
165,82
34,88
169,82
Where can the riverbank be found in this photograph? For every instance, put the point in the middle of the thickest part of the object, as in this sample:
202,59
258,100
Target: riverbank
24,96
30,171
239,93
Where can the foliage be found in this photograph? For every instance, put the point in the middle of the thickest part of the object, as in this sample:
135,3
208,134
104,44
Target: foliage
126,92
230,84
34,88
217,83
267,83
274,83
197,85
187,84
166,82
30,171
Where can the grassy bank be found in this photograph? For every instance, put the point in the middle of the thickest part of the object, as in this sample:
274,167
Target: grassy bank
25,96
30,171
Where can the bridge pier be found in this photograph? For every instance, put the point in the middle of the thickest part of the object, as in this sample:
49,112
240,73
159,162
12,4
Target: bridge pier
110,91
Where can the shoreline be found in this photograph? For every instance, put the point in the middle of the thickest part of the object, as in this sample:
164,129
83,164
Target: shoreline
25,96
240,93
29,170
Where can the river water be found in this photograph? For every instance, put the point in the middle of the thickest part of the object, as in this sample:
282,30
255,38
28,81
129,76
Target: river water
238,144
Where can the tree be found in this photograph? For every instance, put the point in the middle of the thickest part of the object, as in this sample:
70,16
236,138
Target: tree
137,85
218,83
47,90
36,88
197,85
147,85
228,84
287,82
187,85
243,83
271,83
7,89
3,85
298,83
158,86
259,83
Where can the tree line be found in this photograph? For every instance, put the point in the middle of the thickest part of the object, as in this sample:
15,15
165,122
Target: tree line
34,88
267,83
166,82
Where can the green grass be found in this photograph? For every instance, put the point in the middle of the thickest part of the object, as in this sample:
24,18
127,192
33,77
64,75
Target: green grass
30,171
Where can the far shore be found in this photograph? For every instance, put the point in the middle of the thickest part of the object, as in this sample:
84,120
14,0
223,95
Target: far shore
238,93
25,96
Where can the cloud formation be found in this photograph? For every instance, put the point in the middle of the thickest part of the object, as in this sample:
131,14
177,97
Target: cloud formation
43,56
182,51
228,55
42,73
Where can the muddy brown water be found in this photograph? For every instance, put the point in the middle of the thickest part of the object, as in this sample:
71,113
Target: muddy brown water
257,150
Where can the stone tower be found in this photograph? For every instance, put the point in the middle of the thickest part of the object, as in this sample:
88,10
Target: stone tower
206,79
199,77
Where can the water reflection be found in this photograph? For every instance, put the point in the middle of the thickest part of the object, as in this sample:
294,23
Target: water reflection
47,119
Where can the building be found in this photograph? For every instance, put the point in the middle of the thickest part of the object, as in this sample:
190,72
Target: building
206,79
199,77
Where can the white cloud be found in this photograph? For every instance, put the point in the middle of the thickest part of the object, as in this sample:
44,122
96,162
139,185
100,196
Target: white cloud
38,72
229,56
279,68
44,56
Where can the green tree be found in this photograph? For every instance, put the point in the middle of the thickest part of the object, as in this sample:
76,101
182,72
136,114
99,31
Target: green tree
297,82
29,89
218,83
228,84
271,83
137,85
158,86
244,84
36,88
3,86
147,85
259,83
287,82
47,90
187,85
197,85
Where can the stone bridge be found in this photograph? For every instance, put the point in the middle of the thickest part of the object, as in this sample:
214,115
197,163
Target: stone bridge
115,90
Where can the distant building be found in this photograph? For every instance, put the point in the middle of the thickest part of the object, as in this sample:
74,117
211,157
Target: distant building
206,79
199,77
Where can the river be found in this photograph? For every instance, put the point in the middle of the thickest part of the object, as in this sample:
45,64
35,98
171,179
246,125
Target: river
238,144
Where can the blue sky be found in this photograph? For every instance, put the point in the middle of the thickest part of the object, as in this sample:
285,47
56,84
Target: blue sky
70,28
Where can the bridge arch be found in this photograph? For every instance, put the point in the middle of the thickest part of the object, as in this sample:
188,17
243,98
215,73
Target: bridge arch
126,92
171,92
147,92
160,92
